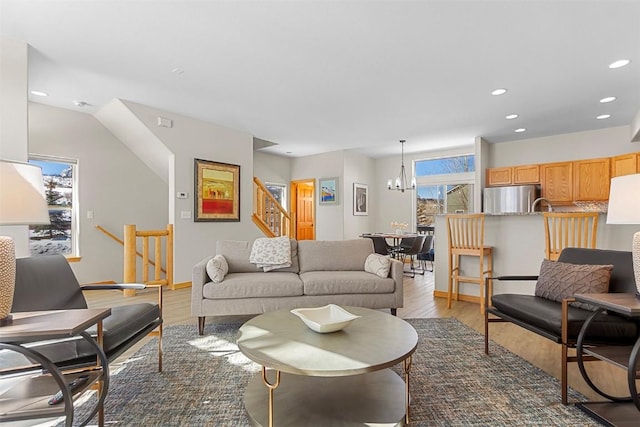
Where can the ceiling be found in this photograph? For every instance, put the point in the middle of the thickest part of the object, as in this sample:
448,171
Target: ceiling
318,76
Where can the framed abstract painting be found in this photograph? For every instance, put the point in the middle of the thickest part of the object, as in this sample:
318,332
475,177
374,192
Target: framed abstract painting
217,191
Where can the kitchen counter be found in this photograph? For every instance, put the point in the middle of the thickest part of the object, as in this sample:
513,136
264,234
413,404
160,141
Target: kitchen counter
518,248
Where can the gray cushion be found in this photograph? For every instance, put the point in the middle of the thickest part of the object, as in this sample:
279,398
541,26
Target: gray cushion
237,253
343,255
560,280
254,285
345,282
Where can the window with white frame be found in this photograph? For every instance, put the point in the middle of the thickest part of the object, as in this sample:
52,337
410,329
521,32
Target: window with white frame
60,186
444,185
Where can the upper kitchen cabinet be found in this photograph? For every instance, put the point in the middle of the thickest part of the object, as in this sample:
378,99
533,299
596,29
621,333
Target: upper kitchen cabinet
499,176
625,164
529,174
557,182
591,179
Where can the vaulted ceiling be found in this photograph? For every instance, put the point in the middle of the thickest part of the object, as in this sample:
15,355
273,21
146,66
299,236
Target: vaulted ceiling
317,76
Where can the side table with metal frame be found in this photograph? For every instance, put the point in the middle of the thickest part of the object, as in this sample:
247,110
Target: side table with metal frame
25,393
618,411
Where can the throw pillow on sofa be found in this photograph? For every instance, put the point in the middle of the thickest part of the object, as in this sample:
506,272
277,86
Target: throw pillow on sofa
560,280
217,268
378,265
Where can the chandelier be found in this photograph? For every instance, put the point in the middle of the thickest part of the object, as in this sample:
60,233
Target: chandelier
401,180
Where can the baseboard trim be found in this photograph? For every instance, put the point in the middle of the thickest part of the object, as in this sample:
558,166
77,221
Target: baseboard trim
180,285
461,297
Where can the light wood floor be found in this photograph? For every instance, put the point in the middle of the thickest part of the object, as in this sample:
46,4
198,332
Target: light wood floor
418,303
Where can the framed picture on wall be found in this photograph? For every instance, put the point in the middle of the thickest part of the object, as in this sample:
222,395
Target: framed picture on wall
217,191
328,190
360,199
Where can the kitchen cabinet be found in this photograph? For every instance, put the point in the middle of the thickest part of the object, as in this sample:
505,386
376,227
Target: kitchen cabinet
625,164
557,182
591,179
499,176
528,174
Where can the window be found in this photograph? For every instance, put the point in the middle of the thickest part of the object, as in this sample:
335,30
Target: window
60,186
279,192
444,185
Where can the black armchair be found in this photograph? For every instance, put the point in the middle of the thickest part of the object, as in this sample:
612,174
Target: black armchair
559,321
48,283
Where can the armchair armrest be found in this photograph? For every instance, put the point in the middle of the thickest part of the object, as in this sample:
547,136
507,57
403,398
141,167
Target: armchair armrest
488,290
117,286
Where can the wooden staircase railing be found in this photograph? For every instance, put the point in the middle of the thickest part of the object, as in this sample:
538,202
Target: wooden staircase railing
268,214
148,264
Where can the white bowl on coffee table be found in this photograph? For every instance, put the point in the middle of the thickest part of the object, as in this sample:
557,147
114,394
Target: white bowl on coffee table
329,318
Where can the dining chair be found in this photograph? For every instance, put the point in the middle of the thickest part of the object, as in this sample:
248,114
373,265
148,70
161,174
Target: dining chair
569,229
412,251
466,238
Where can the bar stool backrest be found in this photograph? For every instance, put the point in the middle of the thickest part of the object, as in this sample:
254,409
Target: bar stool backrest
466,231
569,229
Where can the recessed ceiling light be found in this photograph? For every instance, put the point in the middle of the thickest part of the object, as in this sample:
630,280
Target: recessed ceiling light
520,130
619,63
499,92
603,116
39,93
177,71
608,99
80,103
511,116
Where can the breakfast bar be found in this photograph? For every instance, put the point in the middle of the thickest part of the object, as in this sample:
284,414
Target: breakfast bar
518,248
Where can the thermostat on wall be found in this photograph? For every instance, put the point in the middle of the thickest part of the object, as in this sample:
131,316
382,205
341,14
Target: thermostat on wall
182,195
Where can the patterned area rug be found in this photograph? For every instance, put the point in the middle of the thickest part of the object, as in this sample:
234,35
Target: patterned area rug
453,383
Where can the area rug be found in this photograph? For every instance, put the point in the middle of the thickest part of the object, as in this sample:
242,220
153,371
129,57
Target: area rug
453,383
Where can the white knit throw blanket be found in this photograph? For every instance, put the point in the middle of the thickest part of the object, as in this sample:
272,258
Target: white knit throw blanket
271,253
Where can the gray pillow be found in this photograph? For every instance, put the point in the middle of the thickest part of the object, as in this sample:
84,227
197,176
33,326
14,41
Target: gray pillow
560,280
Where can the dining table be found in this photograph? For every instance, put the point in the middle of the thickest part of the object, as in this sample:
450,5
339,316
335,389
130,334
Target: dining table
395,237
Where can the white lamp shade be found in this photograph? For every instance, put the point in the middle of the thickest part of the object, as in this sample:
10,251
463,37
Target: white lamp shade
22,197
624,200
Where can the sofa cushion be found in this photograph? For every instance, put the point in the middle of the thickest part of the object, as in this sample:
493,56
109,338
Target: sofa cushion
560,280
546,315
254,285
378,265
341,255
237,254
217,268
345,282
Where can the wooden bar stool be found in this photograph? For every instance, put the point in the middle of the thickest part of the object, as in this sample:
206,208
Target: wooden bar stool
466,238
569,229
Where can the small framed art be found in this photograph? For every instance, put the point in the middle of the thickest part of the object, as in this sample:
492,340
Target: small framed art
360,199
328,191
217,191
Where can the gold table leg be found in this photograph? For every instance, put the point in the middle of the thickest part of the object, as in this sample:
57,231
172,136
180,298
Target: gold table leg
271,388
406,366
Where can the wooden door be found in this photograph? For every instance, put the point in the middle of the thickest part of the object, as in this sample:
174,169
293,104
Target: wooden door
557,181
303,204
626,164
498,176
529,174
591,179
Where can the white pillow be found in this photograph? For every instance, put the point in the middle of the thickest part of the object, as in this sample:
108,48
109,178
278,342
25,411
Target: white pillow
217,268
378,265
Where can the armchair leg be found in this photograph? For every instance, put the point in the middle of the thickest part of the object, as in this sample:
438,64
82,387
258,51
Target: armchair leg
564,375
394,311
201,325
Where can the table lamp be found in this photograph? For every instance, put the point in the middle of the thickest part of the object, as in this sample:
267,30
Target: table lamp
22,202
624,208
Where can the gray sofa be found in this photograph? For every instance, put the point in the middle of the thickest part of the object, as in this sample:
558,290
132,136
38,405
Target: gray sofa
321,272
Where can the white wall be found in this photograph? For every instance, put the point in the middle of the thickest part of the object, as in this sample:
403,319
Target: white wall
329,218
13,120
558,148
188,139
113,183
360,169
272,168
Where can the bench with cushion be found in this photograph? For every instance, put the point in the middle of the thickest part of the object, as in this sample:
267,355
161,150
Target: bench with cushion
560,318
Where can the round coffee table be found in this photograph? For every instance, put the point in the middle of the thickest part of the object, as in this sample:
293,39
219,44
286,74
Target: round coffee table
338,379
